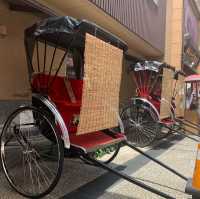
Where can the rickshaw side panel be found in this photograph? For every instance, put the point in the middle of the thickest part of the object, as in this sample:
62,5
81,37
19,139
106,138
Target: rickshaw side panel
101,86
167,92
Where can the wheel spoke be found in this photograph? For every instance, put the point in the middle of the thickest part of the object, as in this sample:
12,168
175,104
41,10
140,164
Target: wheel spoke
42,172
149,135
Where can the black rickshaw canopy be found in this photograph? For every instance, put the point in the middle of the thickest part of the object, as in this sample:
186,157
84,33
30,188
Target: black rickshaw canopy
151,65
65,31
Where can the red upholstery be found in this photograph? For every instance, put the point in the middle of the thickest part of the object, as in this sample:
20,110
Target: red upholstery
59,95
168,121
58,90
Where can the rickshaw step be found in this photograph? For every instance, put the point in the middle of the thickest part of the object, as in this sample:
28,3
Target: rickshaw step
92,141
127,177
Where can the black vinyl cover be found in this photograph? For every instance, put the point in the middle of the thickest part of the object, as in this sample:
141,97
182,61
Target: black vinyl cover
147,65
65,31
150,65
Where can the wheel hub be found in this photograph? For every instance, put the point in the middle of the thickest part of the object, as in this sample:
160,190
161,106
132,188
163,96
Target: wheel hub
28,152
138,126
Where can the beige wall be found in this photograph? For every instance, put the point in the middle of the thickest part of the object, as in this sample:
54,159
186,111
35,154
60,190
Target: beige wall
14,78
173,43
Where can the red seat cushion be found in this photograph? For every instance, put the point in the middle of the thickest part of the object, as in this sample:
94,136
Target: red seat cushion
59,95
57,90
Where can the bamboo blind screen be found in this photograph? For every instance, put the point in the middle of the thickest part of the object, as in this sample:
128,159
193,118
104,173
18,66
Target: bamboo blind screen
102,77
167,85
180,97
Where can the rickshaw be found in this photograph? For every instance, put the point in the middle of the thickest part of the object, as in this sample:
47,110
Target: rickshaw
158,109
74,68
187,107
184,106
146,116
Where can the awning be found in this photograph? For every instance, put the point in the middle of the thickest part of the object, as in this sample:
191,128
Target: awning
192,78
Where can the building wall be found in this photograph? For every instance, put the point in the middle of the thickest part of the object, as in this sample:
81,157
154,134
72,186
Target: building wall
174,33
143,17
13,68
14,84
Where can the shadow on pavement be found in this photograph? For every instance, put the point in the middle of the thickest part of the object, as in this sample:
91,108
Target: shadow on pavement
97,187
106,195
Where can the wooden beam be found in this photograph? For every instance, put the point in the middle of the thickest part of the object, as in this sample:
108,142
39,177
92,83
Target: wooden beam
23,6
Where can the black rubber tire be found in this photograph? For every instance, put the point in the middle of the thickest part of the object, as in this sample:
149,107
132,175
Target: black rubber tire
60,152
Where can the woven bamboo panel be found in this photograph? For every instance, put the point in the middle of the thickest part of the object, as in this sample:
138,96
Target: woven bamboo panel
167,85
102,77
180,97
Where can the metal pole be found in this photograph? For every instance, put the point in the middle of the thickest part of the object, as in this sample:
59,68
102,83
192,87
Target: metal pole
187,121
195,128
179,132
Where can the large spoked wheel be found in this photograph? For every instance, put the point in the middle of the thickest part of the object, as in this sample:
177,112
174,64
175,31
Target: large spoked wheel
140,123
31,162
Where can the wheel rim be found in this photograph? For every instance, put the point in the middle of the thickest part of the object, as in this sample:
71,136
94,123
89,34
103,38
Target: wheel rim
30,161
140,124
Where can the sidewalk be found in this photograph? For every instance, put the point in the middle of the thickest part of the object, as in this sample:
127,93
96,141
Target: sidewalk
80,181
